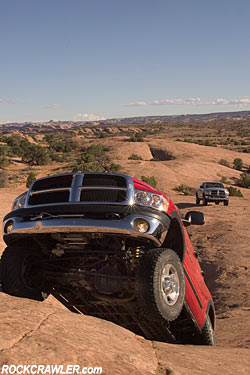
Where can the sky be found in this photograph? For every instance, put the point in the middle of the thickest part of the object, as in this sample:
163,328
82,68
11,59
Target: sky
96,59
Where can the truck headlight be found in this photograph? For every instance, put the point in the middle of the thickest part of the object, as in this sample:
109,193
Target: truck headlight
227,192
19,202
148,199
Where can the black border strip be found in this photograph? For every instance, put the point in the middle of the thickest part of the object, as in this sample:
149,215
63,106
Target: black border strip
193,288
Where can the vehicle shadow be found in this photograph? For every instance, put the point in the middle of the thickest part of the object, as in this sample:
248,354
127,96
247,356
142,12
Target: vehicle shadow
186,205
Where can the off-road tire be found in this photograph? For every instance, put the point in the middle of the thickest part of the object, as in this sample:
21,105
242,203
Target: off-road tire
14,272
148,285
207,334
226,203
204,201
197,200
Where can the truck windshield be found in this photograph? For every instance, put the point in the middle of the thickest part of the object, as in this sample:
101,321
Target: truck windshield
213,185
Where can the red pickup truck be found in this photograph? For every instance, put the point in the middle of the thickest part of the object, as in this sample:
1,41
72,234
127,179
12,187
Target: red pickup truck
110,246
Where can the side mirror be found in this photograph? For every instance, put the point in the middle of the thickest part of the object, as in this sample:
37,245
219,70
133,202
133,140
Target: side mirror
194,218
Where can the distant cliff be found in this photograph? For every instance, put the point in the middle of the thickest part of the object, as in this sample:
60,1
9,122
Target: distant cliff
128,121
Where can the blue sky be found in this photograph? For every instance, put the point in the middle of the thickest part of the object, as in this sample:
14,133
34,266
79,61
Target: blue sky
83,60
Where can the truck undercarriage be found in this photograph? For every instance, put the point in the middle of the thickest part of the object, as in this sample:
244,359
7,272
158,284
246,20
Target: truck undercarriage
98,275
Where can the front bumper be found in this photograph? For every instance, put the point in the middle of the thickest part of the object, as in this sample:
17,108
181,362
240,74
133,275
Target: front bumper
210,198
122,227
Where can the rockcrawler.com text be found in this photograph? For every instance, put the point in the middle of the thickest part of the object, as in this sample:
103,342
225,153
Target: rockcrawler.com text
49,370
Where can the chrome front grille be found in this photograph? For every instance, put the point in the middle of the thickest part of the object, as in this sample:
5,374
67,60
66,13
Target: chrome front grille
104,180
217,193
103,195
85,188
53,182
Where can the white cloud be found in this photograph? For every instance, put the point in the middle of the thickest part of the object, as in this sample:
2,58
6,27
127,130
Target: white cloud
239,102
136,104
219,101
51,106
242,102
4,101
88,117
177,101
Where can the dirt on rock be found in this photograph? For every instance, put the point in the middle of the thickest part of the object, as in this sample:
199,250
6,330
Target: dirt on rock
47,333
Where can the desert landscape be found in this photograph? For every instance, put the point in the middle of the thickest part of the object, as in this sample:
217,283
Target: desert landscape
45,332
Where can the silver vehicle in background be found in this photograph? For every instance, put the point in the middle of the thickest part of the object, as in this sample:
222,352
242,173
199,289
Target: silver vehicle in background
211,191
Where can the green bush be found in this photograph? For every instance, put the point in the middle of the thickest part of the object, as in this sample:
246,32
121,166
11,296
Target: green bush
135,157
207,142
30,179
137,137
234,192
4,149
29,152
238,164
4,162
58,144
3,179
35,155
95,159
149,180
188,140
113,167
224,162
186,190
104,135
88,167
224,180
154,159
54,156
244,180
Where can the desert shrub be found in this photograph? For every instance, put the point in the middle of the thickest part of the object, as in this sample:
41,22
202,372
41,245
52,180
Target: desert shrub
224,162
30,179
149,180
90,167
3,179
207,142
62,146
234,192
135,157
188,140
137,137
244,180
54,156
4,150
29,152
4,162
93,154
58,144
224,180
35,155
238,164
95,159
104,135
155,159
186,190
113,167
